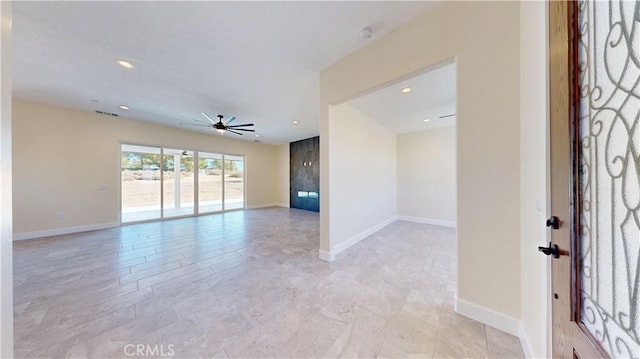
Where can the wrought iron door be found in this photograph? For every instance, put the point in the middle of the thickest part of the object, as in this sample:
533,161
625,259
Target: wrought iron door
608,136
595,177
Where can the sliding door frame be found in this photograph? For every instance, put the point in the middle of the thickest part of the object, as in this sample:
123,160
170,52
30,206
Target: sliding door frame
119,185
196,184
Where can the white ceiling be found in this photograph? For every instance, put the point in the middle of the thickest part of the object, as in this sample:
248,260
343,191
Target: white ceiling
258,61
433,94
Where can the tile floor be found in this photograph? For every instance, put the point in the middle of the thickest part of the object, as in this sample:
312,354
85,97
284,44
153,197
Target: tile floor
244,284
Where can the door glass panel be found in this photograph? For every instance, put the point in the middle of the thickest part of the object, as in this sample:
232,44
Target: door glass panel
233,182
140,183
178,183
209,182
609,177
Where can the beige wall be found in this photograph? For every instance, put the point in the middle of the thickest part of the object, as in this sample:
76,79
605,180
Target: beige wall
6,236
533,174
483,37
427,175
363,175
62,156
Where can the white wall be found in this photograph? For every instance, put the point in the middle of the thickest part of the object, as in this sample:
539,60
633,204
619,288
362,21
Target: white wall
363,176
535,295
62,156
427,176
6,244
483,37
282,190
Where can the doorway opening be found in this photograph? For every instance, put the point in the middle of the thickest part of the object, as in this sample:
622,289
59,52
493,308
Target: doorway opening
395,151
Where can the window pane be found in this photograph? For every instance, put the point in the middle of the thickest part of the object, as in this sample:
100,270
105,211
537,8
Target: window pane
178,183
233,182
140,183
209,182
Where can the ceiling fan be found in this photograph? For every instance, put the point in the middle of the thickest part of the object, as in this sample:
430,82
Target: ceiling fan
220,126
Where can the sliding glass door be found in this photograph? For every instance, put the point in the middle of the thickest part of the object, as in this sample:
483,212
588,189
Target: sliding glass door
140,183
209,182
178,183
161,183
233,182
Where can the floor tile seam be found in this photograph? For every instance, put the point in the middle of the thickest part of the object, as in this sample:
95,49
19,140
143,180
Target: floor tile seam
388,329
149,262
101,301
146,333
435,343
203,259
225,270
154,274
195,281
48,280
63,287
94,319
43,265
144,279
222,261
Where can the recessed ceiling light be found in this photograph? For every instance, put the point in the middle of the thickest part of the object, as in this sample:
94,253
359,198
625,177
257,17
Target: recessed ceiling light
126,64
406,90
257,135
426,120
123,107
295,122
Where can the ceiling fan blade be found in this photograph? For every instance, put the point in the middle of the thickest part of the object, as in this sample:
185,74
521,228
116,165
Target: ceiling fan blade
232,131
196,124
244,125
208,118
200,121
241,129
231,119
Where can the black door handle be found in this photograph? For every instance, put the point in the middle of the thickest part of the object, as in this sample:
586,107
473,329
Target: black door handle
553,222
551,250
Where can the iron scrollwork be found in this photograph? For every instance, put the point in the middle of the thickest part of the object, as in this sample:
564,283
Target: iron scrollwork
609,116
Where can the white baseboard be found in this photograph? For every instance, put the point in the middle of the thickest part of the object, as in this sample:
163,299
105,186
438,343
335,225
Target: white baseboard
435,222
331,255
487,316
65,230
326,256
524,343
265,205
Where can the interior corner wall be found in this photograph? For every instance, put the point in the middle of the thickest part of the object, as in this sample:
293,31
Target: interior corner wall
535,297
427,176
6,235
483,37
283,183
363,176
63,157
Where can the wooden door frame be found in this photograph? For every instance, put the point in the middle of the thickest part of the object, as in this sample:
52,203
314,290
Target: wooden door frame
569,338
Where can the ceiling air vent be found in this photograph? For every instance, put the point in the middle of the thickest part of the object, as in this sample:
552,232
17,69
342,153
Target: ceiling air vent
107,113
